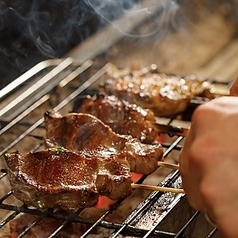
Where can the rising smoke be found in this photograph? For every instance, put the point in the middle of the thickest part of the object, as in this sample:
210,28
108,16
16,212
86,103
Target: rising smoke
34,30
108,10
49,25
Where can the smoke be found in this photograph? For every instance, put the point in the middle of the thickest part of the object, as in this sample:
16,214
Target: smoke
42,29
48,25
108,10
111,9
34,30
52,27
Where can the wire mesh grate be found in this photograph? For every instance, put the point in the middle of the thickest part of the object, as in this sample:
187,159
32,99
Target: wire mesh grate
24,129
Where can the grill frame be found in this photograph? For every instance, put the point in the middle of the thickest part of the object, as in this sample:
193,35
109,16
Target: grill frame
129,226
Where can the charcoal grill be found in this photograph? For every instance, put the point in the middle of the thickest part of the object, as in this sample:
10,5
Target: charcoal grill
56,84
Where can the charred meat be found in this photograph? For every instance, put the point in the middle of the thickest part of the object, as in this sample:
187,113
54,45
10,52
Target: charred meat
58,178
123,117
164,94
87,135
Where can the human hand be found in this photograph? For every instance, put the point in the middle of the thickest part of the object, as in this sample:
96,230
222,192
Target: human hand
209,163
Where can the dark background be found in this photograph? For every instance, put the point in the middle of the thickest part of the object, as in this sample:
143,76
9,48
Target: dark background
34,30
31,31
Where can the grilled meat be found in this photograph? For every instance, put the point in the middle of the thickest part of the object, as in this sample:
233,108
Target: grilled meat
57,178
165,95
86,134
124,118
113,178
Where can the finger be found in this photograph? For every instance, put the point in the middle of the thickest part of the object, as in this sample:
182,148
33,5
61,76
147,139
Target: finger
190,180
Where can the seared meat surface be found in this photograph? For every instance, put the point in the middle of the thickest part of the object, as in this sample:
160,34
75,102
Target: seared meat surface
165,95
123,117
58,178
87,135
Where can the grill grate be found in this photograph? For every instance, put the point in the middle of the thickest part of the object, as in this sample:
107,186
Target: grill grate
22,129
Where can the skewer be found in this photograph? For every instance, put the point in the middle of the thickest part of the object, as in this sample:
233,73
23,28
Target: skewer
175,130
157,188
168,165
220,91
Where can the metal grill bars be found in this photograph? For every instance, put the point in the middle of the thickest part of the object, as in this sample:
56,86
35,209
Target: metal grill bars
155,199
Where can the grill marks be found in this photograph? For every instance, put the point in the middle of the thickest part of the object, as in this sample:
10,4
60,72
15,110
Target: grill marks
84,159
124,118
98,140
164,94
67,180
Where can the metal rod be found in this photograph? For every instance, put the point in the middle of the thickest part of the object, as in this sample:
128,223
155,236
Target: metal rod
187,224
173,130
59,106
66,221
28,228
28,75
24,113
37,86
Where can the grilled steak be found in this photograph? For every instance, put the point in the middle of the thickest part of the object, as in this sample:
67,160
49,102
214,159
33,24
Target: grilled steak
57,178
124,118
165,95
88,135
